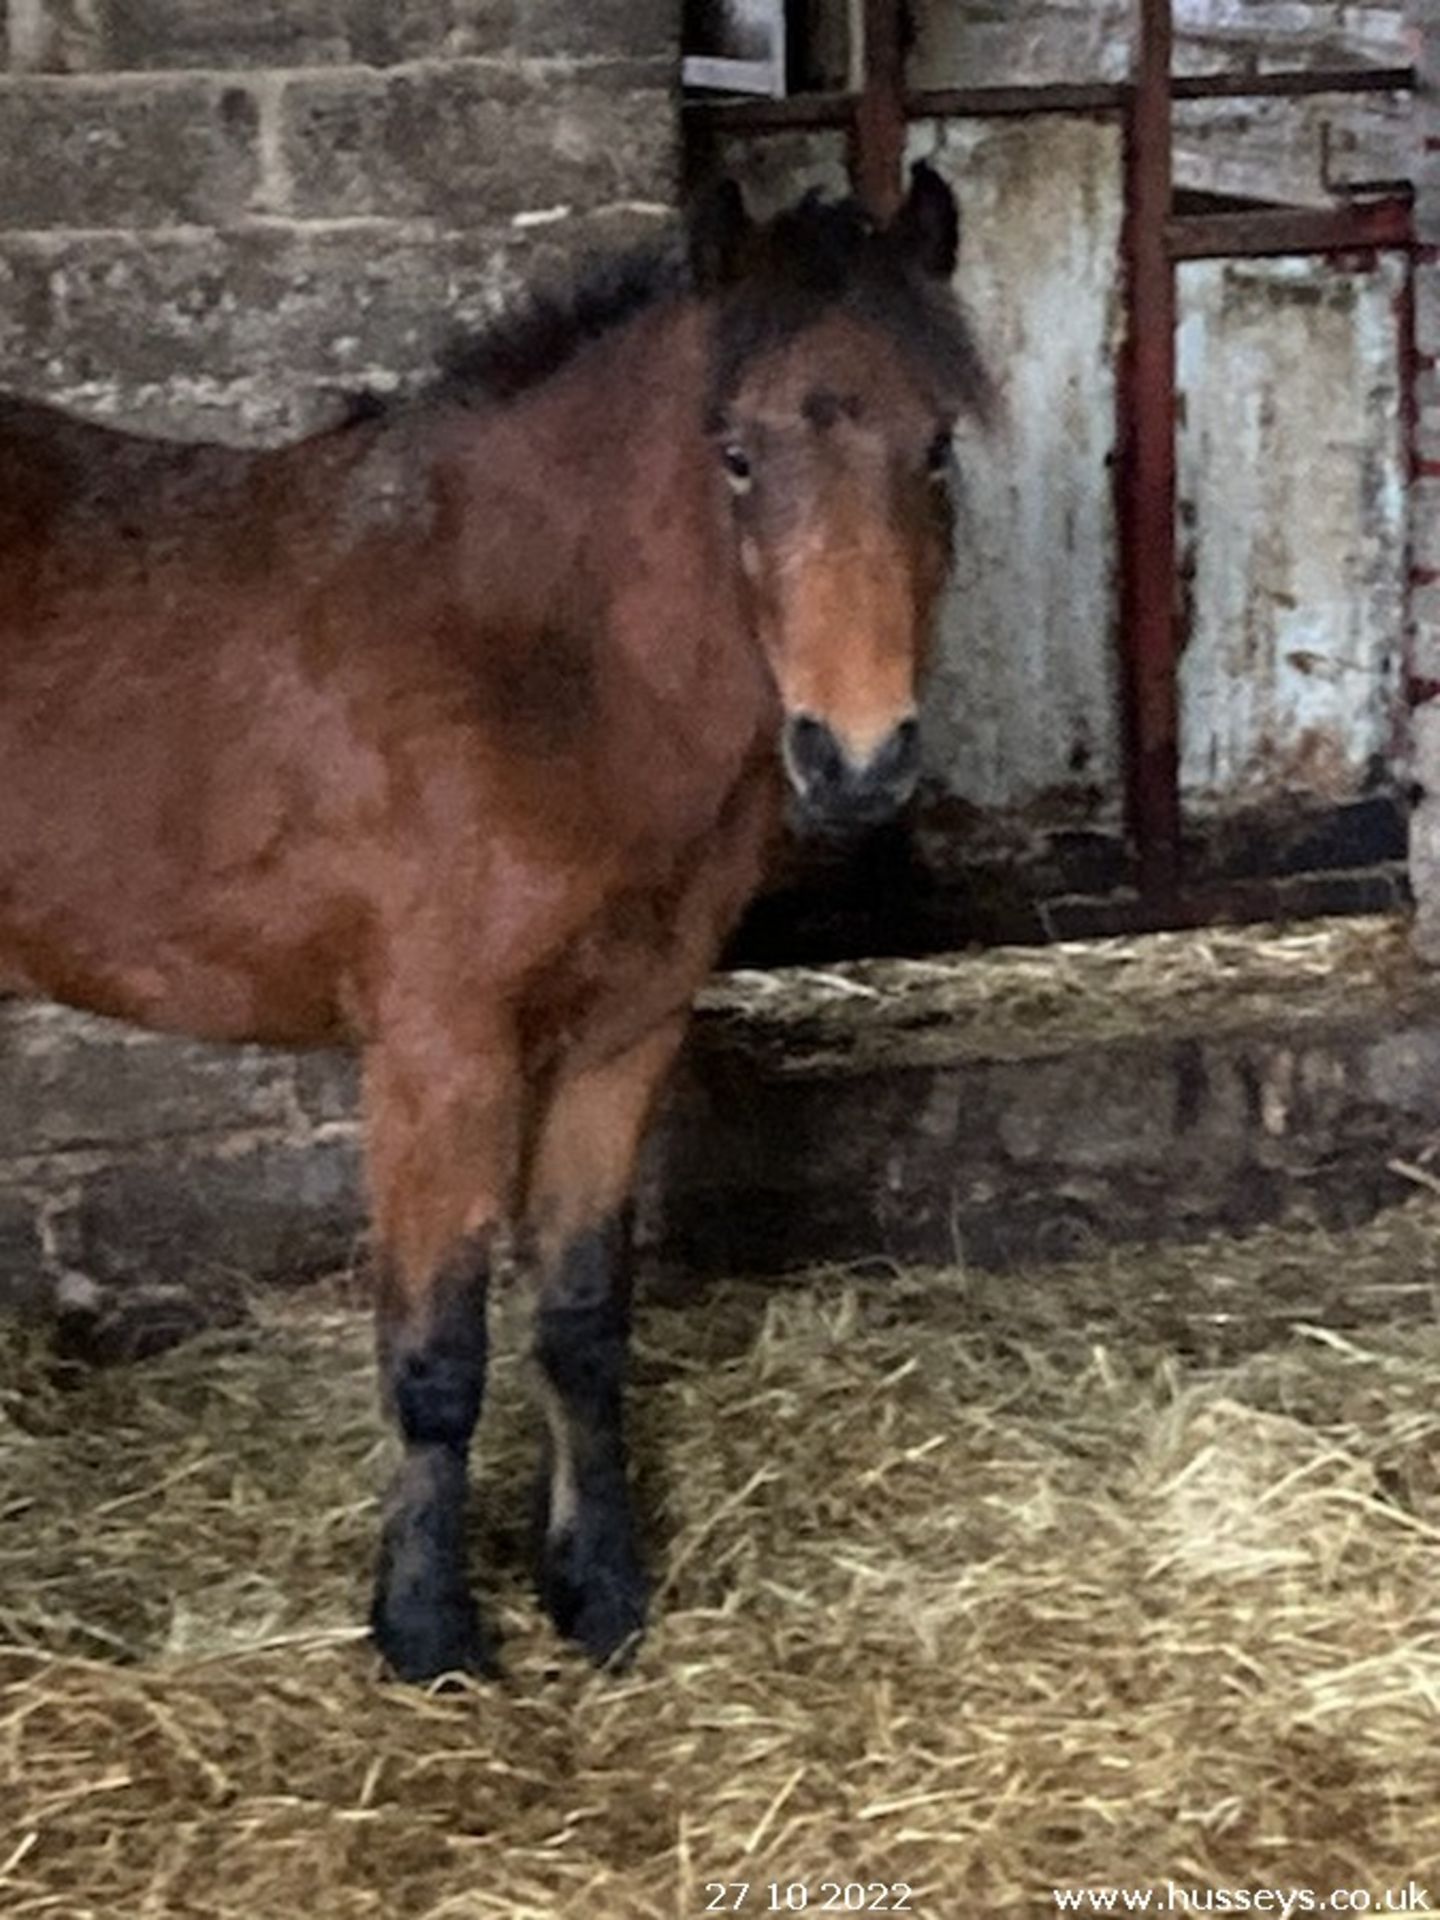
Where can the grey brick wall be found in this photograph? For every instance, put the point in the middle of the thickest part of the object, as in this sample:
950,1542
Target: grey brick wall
215,216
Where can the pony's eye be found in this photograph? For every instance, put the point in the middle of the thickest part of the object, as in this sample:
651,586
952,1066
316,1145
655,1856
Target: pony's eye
940,456
737,466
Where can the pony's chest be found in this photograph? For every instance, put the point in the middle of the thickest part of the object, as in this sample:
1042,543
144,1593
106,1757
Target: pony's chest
656,936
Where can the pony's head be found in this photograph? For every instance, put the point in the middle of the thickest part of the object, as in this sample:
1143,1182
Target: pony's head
840,363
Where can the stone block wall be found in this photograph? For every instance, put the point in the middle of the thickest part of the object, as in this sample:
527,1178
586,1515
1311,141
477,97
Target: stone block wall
214,218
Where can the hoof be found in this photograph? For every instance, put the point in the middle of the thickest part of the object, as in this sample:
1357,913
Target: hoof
596,1592
422,1642
423,1618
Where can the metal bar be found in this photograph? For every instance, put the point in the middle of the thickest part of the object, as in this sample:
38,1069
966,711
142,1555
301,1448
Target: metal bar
996,103
980,103
877,132
806,112
817,112
1146,468
1302,85
1407,317
1266,232
810,111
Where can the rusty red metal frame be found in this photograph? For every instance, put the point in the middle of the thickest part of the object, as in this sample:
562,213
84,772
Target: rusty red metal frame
1407,330
1146,466
1156,240
810,112
1274,231
1305,84
877,129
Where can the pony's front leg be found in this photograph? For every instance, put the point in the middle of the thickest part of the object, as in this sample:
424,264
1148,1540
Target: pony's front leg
591,1579
443,1124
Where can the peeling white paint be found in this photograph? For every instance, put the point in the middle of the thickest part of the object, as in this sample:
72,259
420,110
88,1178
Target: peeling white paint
1292,482
1025,698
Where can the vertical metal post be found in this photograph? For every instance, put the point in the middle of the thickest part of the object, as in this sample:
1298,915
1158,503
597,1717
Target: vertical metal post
877,133
1147,465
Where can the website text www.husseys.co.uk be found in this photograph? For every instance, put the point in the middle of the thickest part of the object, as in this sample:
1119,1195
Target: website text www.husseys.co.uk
1284,1902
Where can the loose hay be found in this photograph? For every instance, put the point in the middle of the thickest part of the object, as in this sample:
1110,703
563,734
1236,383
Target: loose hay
958,1593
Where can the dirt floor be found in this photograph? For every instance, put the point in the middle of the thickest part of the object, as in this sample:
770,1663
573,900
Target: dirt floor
1116,1574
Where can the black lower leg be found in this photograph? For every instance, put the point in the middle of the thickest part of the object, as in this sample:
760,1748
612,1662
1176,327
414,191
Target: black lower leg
432,1363
591,1579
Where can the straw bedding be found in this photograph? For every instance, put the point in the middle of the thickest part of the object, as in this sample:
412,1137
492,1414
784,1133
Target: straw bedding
983,1586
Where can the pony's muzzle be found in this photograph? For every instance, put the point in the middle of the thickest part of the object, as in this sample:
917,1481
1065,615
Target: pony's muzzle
839,791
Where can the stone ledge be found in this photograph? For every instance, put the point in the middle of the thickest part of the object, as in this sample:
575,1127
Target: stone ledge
994,1110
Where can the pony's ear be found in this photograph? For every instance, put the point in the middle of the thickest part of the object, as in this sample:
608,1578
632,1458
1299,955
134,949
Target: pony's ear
720,231
928,224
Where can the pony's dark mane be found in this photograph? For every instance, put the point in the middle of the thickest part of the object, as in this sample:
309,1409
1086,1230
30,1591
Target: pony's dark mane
816,255
545,327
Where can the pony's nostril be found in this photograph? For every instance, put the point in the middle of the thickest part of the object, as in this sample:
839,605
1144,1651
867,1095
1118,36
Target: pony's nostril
814,754
899,758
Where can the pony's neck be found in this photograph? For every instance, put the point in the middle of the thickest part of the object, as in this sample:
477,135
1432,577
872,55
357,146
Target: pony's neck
681,607
624,517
